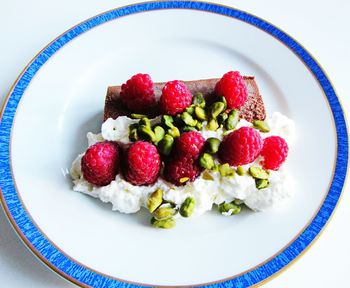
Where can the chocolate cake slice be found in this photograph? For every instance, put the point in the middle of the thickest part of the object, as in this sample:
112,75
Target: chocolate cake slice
253,109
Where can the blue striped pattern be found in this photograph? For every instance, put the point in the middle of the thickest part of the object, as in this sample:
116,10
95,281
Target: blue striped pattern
83,275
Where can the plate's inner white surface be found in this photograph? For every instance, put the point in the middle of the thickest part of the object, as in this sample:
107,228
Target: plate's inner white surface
65,100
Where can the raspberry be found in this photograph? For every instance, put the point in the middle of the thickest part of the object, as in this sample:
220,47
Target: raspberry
274,152
142,163
232,86
178,168
190,144
100,163
175,98
137,93
240,147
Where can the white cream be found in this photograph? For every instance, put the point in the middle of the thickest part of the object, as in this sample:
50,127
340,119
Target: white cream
127,198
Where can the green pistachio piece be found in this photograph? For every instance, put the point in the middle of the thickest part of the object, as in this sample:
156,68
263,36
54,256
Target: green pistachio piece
147,133
232,120
164,224
216,108
207,175
166,144
145,121
174,132
223,100
159,133
226,171
199,126
137,116
215,168
188,119
155,200
200,113
237,202
240,171
229,209
188,129
261,126
164,212
133,135
258,173
206,161
212,145
261,183
187,207
167,121
190,109
212,125
198,100
184,180
222,118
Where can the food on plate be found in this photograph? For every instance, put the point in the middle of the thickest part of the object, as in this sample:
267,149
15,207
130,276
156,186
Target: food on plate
180,148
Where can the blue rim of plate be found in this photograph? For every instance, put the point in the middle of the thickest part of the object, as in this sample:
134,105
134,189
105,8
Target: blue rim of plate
84,276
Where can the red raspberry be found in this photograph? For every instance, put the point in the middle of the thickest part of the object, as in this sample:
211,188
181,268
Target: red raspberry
190,144
240,147
274,152
100,163
137,93
232,86
177,168
142,163
175,98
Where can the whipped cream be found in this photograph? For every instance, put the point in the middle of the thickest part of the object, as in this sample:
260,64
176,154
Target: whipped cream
207,189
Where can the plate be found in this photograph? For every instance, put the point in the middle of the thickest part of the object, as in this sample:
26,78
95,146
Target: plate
59,97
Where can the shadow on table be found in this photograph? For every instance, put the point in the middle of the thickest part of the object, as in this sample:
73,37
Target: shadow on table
16,258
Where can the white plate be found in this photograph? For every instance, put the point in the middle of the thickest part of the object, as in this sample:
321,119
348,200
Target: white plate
83,239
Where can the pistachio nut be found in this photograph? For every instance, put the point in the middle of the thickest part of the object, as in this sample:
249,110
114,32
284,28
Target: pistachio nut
229,209
232,120
187,207
166,144
223,100
159,133
222,118
207,176
216,108
212,125
198,100
261,183
164,224
174,132
200,113
147,133
155,200
190,109
167,121
226,171
258,173
137,116
145,121
133,135
261,126
163,213
199,126
206,161
188,129
238,202
240,171
212,145
188,119
184,180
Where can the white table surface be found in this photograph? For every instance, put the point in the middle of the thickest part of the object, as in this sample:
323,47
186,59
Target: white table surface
321,26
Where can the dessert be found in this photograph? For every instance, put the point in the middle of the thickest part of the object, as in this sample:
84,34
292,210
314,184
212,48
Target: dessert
181,148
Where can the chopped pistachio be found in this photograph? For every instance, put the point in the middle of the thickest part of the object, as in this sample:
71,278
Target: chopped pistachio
184,179
261,126
145,121
222,118
261,183
137,116
187,207
223,100
229,209
240,171
188,119
200,113
199,126
226,171
133,135
190,109
198,100
188,129
164,224
232,120
174,132
207,175
155,200
212,125
215,168
238,202
206,161
212,145
258,173
159,133
146,133
216,108
164,212
167,121
166,144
